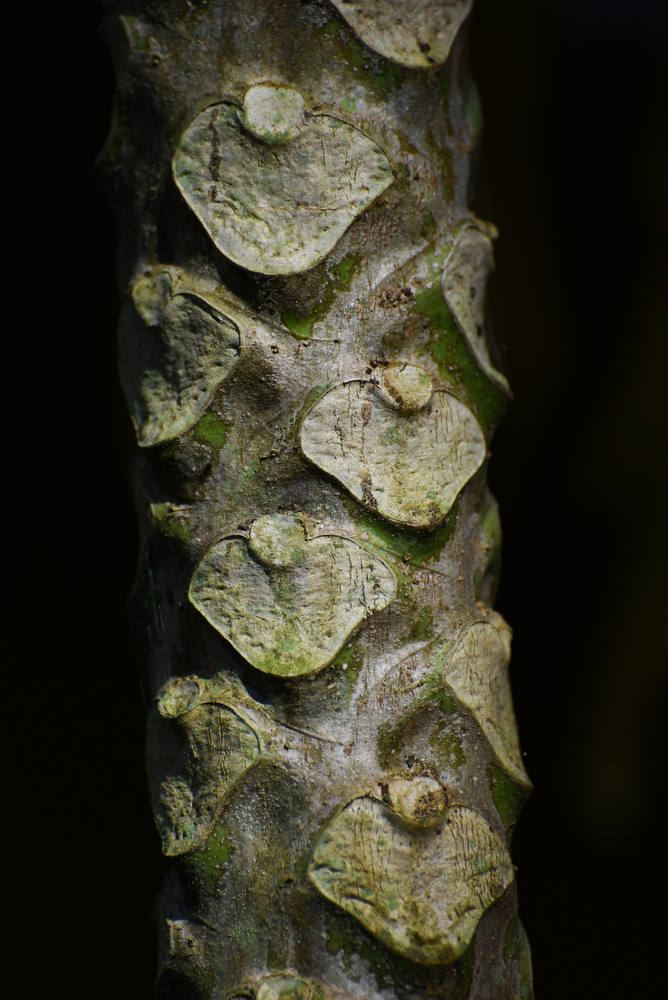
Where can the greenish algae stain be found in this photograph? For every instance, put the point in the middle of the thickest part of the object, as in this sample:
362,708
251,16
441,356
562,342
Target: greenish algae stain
424,627
170,524
404,549
506,795
391,741
332,27
402,175
444,701
301,865
491,526
350,656
211,430
447,747
385,76
473,111
208,863
312,397
338,279
389,744
139,41
455,363
336,938
429,227
390,436
381,75
410,546
248,474
347,268
300,327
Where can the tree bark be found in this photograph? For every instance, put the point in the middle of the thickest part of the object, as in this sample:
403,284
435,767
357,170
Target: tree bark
332,752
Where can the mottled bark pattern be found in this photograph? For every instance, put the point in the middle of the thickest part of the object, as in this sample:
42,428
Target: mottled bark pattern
333,760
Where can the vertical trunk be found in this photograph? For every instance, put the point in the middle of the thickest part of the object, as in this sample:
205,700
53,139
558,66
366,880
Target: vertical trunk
332,754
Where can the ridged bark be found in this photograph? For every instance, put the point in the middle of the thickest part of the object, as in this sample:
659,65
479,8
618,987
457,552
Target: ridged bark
332,754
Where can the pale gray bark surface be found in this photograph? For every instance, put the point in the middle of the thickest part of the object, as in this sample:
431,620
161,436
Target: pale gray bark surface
332,750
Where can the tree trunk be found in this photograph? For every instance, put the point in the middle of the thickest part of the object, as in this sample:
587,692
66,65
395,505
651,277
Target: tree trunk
332,754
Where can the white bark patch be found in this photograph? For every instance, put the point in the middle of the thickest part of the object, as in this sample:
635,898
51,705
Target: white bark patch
413,33
276,189
477,674
175,348
422,894
465,274
407,464
192,763
287,603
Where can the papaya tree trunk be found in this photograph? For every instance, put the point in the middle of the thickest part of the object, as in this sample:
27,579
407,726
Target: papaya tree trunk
332,754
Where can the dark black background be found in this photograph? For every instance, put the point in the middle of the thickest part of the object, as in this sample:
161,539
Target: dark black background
575,103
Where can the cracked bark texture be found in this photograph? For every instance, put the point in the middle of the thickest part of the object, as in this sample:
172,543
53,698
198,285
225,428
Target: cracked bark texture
332,752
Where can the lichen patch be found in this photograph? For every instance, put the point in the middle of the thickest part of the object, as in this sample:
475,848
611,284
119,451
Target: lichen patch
476,672
287,603
413,33
276,189
175,348
465,274
192,762
405,462
421,894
